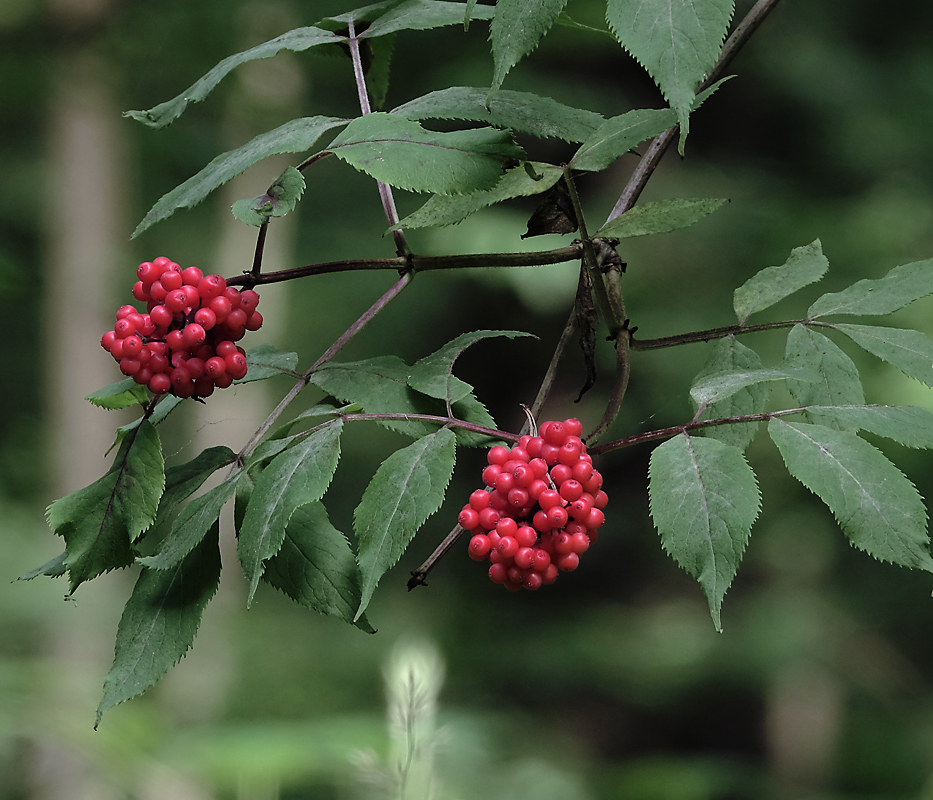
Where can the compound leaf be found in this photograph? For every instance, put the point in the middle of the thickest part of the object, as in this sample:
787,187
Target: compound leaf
659,217
315,566
298,39
296,136
838,379
160,621
450,209
618,135
908,350
729,356
100,522
901,286
518,111
401,153
433,374
407,488
704,499
676,41
296,477
515,31
804,266
878,509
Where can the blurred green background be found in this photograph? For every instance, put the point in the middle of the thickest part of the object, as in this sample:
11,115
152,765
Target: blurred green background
613,683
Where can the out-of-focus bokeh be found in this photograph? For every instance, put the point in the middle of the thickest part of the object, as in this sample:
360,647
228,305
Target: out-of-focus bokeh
611,684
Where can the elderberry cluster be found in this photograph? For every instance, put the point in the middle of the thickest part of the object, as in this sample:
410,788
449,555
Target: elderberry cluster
541,509
186,342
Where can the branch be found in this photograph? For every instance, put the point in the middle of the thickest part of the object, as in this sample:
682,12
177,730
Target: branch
415,263
719,333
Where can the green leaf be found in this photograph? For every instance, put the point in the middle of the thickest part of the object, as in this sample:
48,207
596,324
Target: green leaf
516,29
519,111
433,374
407,488
121,394
618,135
422,15
298,39
676,41
401,153
160,621
265,361
280,198
315,566
838,384
294,478
660,217
715,388
910,351
191,525
379,385
804,266
183,480
469,409
100,521
704,500
907,425
450,209
901,286
729,356
54,568
296,136
878,509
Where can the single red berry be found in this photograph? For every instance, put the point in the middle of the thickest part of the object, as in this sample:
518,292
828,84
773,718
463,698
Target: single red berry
581,507
542,560
221,307
233,295
490,474
147,272
554,433
524,557
567,562
533,580
132,345
601,499
557,517
498,573
479,499
570,490
526,536
211,286
236,365
215,367
549,498
560,473
518,498
159,383
507,546
488,518
254,321
176,301
479,547
249,299
507,527
176,340
192,276
570,451
519,454
573,426
468,518
194,335
595,519
106,341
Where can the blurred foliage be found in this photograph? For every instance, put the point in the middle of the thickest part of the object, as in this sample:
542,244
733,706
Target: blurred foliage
613,684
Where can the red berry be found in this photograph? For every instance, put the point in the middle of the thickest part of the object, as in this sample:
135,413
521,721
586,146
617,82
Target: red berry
177,301
254,321
192,276
248,300
567,562
479,547
236,365
479,499
211,286
159,383
573,427
194,335
469,518
215,367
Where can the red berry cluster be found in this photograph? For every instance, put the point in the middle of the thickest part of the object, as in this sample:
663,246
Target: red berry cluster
541,510
186,342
